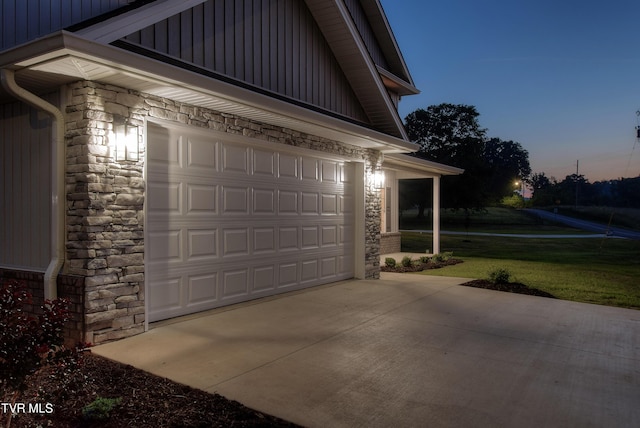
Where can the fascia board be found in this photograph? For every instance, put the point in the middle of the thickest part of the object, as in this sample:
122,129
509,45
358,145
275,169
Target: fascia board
413,165
365,70
124,24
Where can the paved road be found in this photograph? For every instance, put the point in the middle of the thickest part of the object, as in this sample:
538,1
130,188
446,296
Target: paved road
586,225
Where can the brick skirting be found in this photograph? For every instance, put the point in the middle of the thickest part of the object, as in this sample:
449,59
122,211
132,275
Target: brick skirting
69,286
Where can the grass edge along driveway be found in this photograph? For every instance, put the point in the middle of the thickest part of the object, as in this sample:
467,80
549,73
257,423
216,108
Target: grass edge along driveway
600,271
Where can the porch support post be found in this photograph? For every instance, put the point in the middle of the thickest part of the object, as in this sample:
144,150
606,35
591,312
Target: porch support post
436,214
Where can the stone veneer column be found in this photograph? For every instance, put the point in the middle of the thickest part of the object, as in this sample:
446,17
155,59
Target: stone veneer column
105,221
373,211
105,217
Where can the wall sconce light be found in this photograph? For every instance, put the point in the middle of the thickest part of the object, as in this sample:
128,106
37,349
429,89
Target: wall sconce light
126,141
378,179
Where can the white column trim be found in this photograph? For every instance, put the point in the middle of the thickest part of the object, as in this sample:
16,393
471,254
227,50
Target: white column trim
436,214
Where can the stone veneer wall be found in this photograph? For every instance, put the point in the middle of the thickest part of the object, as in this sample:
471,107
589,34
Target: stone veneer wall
105,217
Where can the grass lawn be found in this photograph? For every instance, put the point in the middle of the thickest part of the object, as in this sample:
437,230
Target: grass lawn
604,271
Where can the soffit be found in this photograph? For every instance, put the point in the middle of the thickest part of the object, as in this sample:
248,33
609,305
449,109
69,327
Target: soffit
413,167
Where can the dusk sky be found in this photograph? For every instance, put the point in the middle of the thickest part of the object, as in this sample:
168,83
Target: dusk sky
561,77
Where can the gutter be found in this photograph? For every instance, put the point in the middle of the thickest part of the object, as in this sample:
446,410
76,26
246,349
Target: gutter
58,189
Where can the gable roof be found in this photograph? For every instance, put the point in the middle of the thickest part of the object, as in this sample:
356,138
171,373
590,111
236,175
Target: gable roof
366,78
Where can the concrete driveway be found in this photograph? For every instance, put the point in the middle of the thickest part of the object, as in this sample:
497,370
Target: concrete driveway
407,350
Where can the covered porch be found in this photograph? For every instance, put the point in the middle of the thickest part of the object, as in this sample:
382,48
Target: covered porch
398,167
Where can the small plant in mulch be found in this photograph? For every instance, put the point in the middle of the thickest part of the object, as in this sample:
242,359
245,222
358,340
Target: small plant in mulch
500,276
499,280
407,264
100,408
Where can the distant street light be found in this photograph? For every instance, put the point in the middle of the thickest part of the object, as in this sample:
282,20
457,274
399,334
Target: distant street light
520,186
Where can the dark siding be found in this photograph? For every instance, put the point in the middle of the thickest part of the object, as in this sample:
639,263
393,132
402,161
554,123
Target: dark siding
273,44
25,20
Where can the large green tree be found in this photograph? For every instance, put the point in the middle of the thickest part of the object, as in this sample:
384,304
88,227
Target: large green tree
451,134
447,133
507,162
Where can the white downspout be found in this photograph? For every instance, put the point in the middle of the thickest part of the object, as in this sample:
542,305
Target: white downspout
57,175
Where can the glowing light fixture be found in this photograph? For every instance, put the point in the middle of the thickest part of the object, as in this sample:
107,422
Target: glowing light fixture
378,179
126,141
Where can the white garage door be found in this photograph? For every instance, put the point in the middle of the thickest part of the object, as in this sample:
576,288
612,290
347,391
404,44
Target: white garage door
229,220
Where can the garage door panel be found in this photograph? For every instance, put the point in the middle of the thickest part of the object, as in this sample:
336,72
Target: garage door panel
329,236
166,294
235,242
309,237
288,238
328,267
164,197
264,240
329,204
235,159
309,169
166,149
309,270
202,244
264,278
288,167
202,199
202,155
288,274
329,171
288,202
240,221
264,201
309,203
203,288
165,246
235,283
264,163
235,200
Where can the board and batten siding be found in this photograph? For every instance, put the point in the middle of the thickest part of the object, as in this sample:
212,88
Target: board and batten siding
22,20
272,44
25,186
366,32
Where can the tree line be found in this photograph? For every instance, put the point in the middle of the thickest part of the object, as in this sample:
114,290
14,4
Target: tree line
493,168
576,190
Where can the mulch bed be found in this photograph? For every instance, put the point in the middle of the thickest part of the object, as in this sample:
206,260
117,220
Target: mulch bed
147,400
418,266
510,287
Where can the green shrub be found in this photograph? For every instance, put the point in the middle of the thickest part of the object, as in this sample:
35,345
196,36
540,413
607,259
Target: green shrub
499,276
406,261
29,343
441,257
425,259
390,262
100,408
